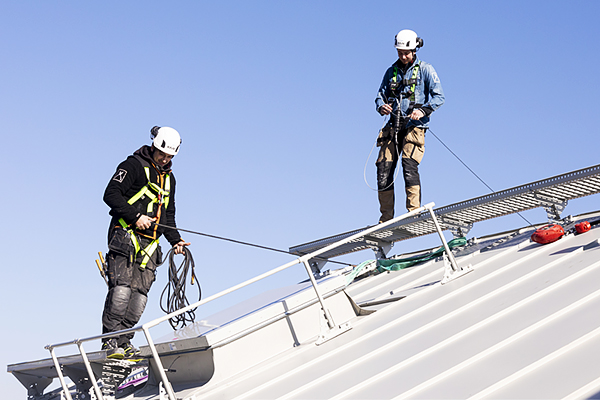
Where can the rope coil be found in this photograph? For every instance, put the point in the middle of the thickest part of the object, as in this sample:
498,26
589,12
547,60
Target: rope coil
173,296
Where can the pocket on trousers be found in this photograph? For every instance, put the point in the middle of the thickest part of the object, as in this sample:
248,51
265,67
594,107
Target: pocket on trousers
414,144
120,242
119,270
385,135
416,136
412,151
147,279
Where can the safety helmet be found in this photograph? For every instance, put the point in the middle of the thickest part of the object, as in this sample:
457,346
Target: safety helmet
166,139
408,40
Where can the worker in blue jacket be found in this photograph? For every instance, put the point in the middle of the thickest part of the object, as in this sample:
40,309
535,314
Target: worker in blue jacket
410,91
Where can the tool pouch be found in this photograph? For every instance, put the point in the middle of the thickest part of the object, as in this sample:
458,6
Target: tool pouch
385,134
120,242
414,144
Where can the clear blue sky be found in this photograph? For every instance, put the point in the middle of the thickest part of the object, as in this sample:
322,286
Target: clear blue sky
274,101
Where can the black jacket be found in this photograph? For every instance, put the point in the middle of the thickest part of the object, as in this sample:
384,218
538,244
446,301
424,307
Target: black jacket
126,182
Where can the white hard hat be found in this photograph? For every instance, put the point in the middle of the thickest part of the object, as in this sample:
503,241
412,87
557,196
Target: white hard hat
408,40
166,139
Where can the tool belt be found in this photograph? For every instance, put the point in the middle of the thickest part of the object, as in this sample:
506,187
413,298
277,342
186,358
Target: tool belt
125,243
120,242
387,132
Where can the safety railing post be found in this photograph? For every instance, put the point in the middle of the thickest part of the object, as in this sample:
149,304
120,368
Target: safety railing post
326,312
61,377
90,372
439,231
304,260
161,369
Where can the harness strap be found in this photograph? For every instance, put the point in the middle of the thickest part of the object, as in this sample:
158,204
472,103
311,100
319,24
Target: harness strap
148,250
149,190
411,83
161,194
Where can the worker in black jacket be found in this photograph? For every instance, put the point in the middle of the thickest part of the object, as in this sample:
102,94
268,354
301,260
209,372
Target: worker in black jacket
141,194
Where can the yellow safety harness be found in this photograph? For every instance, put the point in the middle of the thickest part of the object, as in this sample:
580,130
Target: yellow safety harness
410,83
156,197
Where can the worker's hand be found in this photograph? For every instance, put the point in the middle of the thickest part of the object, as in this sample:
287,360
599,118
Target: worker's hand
144,222
179,246
385,109
417,114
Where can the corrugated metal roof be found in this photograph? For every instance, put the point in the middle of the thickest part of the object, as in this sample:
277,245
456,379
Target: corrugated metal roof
523,324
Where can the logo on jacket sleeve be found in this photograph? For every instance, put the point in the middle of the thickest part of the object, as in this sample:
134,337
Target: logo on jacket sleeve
120,175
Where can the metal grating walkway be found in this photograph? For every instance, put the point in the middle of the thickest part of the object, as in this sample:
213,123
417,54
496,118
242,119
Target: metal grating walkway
552,194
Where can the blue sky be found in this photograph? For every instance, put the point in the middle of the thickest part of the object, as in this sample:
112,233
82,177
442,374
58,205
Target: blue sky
275,104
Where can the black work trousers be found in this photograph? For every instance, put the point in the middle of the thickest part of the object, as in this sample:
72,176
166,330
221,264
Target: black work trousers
128,290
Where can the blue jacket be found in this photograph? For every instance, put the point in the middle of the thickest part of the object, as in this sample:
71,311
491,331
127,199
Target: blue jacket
429,95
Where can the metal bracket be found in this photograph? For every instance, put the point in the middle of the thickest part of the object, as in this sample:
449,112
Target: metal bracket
458,228
35,384
316,265
162,392
450,273
80,378
553,206
333,332
380,248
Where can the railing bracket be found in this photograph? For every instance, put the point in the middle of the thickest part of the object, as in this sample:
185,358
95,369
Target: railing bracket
451,274
334,332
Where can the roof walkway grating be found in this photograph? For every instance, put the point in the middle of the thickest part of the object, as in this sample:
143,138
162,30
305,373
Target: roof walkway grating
552,194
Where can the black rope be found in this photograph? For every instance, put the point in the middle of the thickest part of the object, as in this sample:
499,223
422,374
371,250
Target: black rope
473,172
244,243
174,296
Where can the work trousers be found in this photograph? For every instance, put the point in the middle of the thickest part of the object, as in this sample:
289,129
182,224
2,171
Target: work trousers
128,290
410,145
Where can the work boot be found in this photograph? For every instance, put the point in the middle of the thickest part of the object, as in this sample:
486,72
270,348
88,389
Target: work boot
386,205
113,351
413,197
130,350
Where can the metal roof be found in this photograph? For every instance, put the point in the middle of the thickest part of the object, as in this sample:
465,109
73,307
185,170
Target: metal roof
522,324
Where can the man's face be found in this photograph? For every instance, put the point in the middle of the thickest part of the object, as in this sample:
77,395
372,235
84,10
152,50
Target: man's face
161,158
406,56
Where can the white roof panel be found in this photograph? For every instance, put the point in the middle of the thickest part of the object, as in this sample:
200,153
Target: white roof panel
523,324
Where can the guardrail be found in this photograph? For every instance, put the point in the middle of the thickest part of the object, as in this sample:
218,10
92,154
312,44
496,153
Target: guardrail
300,260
